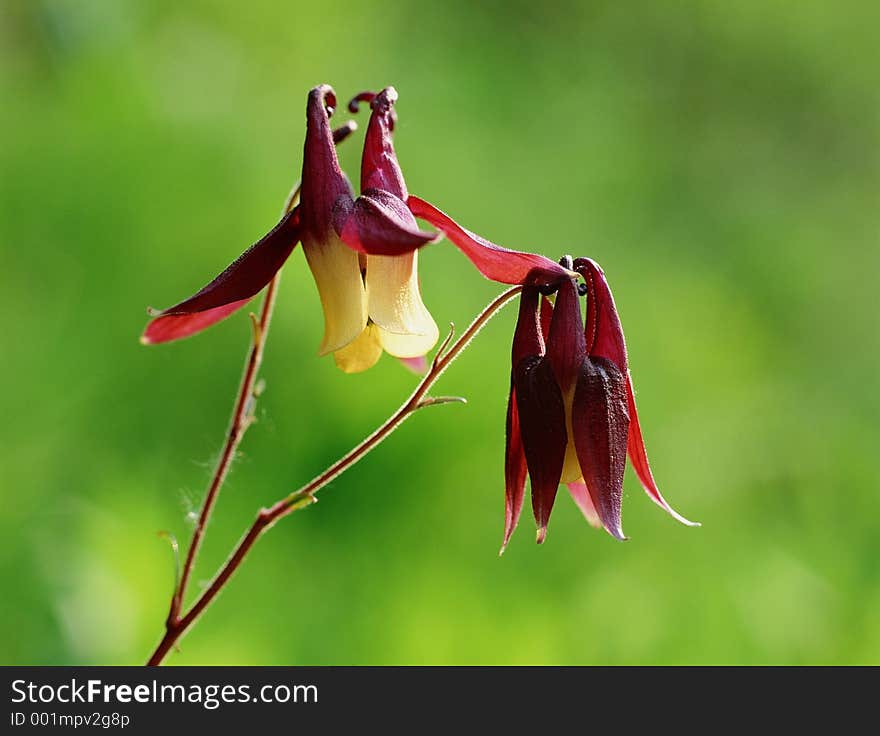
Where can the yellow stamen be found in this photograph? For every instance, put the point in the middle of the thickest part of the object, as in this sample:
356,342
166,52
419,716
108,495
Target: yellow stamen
571,468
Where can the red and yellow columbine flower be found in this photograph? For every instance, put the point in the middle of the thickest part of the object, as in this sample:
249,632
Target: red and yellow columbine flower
362,252
397,320
571,416
369,303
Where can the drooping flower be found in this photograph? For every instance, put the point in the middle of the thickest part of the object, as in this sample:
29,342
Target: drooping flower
322,185
397,319
571,415
362,252
369,303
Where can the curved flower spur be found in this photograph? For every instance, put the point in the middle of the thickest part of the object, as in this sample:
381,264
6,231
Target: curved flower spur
362,252
571,415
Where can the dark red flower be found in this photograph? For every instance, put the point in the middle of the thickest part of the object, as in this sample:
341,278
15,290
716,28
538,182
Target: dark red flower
571,415
362,252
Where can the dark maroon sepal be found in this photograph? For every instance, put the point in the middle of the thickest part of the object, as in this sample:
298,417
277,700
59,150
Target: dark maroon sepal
379,166
546,317
528,343
603,331
600,422
326,195
566,347
542,427
528,338
381,224
232,289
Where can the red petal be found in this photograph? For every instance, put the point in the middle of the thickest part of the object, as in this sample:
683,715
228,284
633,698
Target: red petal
246,276
325,196
566,347
514,470
600,423
380,224
379,166
605,338
542,428
493,261
177,326
638,456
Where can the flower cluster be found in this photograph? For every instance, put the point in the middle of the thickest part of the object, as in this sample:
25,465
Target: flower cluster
571,414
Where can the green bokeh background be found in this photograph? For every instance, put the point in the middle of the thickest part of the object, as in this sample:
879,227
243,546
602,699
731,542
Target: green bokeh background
721,160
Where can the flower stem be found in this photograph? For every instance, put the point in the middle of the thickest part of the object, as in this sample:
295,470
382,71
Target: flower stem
177,625
242,418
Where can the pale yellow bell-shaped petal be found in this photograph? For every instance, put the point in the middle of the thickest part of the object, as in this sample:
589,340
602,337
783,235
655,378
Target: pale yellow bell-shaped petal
337,274
362,353
406,328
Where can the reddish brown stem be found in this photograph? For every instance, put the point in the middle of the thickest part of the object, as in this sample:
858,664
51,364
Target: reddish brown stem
242,417
177,626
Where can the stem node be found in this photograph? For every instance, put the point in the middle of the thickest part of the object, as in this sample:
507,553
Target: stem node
436,400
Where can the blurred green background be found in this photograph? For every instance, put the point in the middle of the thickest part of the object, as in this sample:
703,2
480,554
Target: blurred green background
721,160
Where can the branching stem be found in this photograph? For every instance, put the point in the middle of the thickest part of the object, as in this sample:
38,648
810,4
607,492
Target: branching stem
177,624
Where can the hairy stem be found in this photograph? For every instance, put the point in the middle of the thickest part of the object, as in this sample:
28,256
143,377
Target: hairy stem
242,418
267,517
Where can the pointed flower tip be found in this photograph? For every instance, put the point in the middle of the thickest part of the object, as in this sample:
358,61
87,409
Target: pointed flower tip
661,502
510,522
541,535
617,533
679,518
144,340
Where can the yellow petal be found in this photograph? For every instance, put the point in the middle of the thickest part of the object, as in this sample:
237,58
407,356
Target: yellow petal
406,328
360,354
338,276
571,467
